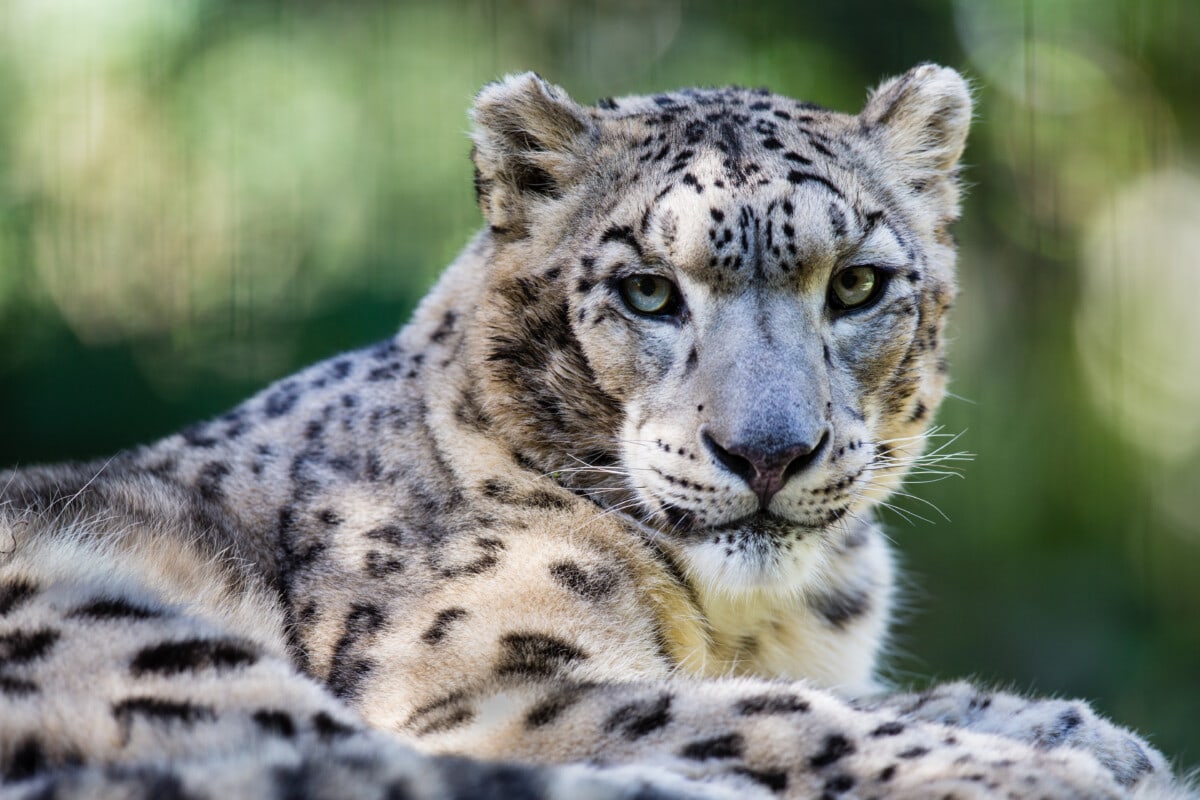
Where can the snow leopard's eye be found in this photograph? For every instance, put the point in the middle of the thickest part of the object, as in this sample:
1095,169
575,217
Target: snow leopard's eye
857,287
650,294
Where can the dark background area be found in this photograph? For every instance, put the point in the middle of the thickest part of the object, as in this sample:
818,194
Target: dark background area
200,196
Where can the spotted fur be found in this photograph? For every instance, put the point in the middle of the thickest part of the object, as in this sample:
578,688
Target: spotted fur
540,543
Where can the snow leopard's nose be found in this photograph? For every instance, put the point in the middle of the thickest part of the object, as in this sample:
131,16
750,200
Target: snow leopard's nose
766,468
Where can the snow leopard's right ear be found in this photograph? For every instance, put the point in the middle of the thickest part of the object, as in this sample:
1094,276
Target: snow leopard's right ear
531,142
921,119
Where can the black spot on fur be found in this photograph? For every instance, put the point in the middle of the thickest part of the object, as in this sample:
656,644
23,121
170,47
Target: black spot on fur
22,647
840,607
443,714
636,720
838,784
15,592
771,704
198,436
730,745
187,655
349,668
913,752
775,781
26,761
490,548
596,584
381,565
282,400
441,624
114,608
387,533
536,498
888,729
208,482
16,687
156,709
445,327
327,727
1130,766
552,707
835,748
1059,731
278,723
535,654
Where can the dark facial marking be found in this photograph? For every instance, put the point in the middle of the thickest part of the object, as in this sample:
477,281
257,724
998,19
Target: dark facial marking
624,234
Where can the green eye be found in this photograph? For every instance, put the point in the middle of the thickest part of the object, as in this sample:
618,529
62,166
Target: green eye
855,287
649,294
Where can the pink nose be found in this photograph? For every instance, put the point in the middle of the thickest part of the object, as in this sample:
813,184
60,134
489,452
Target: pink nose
766,469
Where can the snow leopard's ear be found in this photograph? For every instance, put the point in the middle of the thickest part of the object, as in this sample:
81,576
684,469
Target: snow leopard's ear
921,119
531,142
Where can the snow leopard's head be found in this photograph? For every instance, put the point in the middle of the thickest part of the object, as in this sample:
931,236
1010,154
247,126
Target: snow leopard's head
721,310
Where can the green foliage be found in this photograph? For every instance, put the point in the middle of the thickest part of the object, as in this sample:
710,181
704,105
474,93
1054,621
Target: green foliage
199,196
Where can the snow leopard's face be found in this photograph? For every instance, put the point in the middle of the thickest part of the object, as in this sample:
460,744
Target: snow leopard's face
747,312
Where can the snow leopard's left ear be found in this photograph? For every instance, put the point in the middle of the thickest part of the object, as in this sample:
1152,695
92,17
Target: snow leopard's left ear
921,119
531,142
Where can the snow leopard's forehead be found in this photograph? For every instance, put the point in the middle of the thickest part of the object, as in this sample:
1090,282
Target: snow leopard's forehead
735,186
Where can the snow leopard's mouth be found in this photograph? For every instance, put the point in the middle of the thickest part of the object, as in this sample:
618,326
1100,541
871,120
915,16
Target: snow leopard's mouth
759,524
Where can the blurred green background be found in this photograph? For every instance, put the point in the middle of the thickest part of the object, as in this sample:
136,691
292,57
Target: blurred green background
199,196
